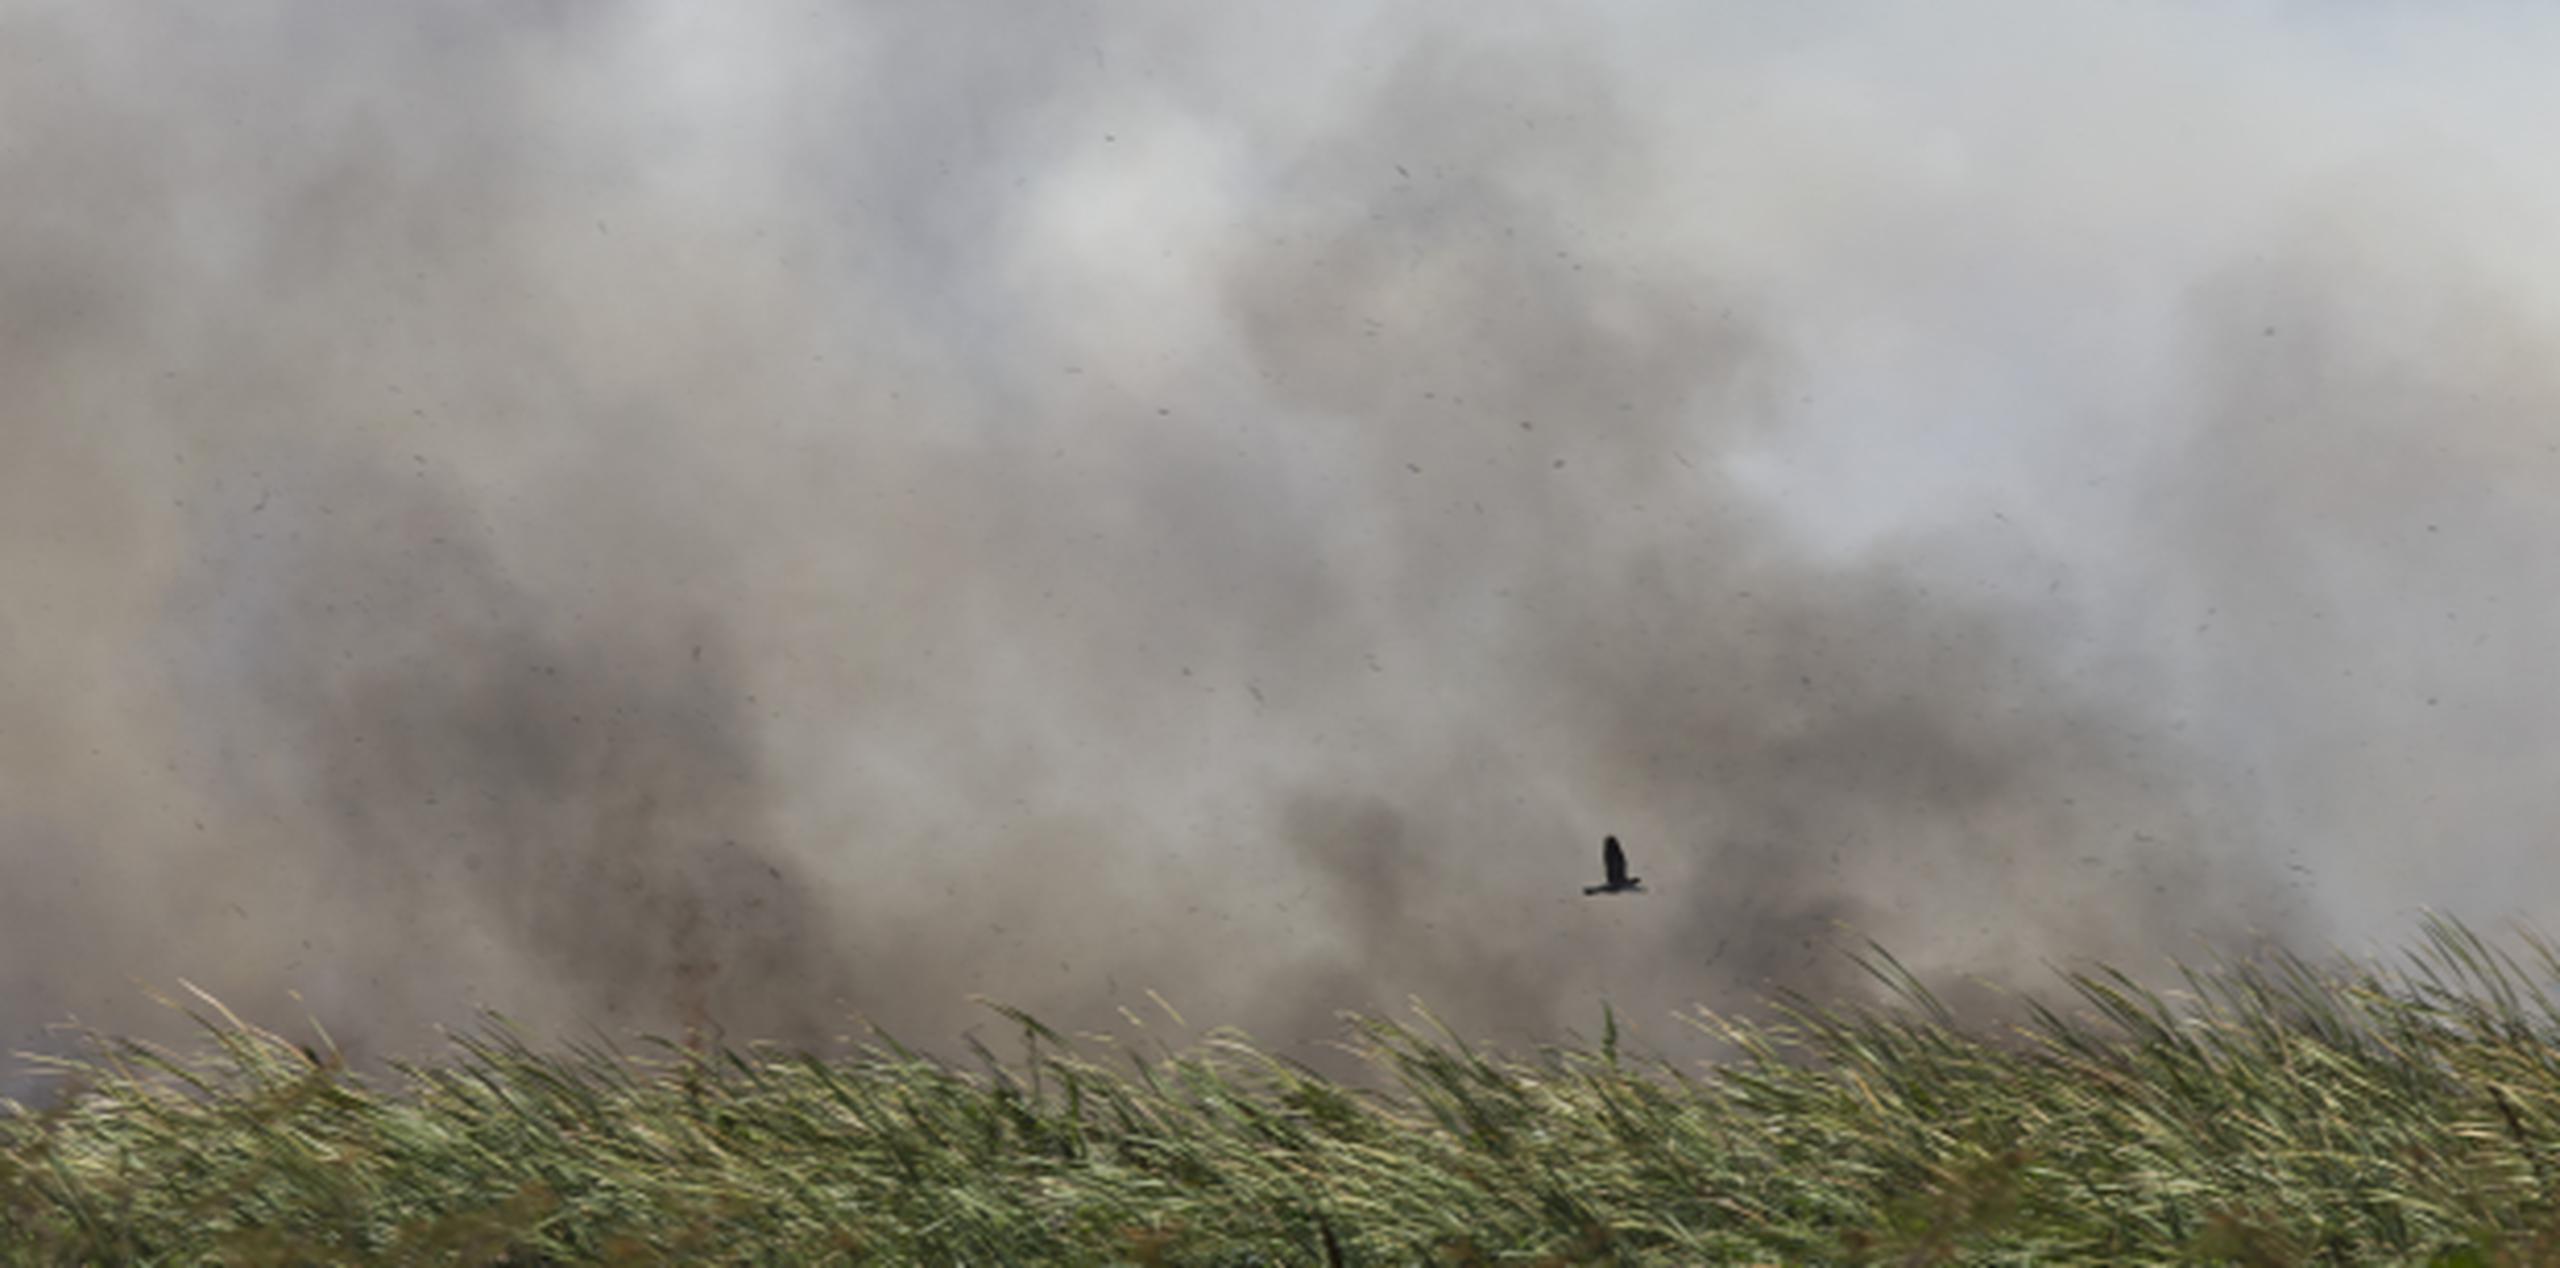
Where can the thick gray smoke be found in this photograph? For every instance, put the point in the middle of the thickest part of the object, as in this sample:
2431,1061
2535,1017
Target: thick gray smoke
672,515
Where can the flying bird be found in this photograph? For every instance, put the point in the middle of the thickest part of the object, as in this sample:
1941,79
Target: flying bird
1613,862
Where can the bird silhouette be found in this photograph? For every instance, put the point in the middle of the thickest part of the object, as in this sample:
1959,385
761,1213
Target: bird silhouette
1613,863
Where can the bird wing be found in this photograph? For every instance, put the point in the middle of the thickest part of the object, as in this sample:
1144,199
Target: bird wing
1613,860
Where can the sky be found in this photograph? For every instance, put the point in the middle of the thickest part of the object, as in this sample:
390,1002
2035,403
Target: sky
777,518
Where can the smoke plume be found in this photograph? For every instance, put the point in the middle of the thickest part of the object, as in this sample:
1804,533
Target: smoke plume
658,516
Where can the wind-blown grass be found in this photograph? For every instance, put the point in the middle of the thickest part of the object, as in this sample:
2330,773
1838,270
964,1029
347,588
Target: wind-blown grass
2273,1112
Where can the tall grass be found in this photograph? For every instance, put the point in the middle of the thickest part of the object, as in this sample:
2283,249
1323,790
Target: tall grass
2274,1111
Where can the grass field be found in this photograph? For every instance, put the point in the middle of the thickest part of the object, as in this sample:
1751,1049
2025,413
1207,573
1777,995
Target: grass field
2273,1112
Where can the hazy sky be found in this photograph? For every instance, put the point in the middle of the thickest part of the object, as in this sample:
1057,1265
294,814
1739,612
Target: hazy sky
648,513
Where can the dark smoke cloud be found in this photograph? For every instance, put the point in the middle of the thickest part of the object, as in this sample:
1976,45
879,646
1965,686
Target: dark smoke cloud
591,811
648,517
